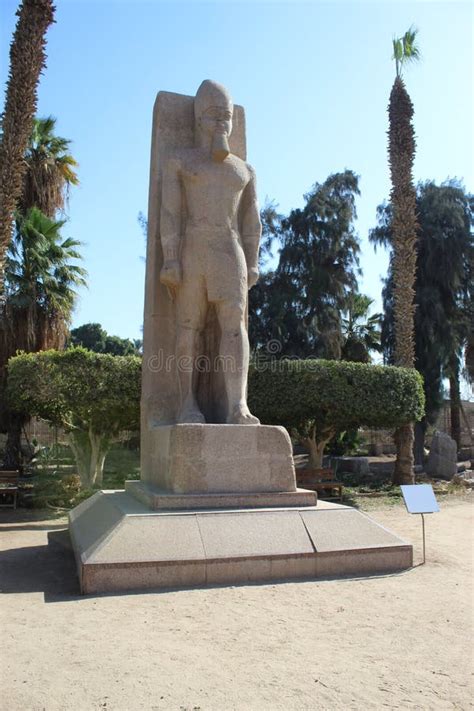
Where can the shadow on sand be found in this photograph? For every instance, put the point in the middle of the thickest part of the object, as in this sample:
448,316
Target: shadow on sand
48,569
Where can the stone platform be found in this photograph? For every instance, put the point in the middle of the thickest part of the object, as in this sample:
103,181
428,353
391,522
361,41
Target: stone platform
161,500
121,545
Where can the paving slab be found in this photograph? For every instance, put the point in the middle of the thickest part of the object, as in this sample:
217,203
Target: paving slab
254,534
345,529
166,538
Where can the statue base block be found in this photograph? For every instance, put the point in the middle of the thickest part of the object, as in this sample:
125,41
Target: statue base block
216,459
120,545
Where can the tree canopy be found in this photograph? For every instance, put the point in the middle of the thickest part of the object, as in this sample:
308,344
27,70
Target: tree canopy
51,169
95,338
92,396
43,274
299,304
360,332
315,399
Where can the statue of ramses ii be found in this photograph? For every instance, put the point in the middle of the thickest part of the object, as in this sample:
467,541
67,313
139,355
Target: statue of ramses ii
209,228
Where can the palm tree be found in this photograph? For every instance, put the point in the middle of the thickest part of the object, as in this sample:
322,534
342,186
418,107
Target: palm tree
444,284
27,59
404,228
41,278
50,169
360,332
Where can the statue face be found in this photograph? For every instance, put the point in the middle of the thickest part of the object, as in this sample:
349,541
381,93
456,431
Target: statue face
216,120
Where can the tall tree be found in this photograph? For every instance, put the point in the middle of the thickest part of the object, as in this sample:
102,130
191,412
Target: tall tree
404,227
49,173
42,276
444,284
27,60
297,308
50,169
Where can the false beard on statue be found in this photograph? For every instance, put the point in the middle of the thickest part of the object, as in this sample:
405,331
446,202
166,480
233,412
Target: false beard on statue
220,146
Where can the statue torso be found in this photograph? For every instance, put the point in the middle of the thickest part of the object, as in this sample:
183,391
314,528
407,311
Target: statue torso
212,190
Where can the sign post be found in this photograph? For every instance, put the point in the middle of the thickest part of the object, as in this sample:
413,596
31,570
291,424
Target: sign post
420,499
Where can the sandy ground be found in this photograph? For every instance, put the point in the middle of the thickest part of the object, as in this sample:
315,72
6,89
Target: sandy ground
395,641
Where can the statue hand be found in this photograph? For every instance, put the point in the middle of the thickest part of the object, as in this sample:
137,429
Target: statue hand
170,274
252,277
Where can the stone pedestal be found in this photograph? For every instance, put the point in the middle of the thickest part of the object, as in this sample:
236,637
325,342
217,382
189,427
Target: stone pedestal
220,506
219,467
121,546
158,500
224,459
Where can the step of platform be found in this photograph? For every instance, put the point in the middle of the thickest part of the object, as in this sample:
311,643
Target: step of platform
120,545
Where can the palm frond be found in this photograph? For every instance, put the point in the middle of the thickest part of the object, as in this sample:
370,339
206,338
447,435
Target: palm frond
405,49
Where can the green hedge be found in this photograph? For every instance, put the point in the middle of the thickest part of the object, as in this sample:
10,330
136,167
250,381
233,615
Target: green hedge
77,387
334,394
91,395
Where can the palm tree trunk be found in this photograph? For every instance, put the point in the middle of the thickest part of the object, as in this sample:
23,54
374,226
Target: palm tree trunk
419,444
404,227
27,59
12,458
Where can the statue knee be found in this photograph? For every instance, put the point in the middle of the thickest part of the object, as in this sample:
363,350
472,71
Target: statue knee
231,316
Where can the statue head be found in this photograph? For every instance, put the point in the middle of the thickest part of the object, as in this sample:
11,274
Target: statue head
213,109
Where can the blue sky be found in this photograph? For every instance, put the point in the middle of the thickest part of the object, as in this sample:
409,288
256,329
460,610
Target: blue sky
314,79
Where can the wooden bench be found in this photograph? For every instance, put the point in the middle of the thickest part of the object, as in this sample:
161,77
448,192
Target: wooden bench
318,480
9,486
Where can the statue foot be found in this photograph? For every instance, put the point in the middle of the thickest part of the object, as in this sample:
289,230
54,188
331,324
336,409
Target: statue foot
191,416
242,416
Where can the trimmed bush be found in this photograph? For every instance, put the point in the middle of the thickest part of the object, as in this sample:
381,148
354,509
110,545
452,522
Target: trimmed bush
92,396
314,399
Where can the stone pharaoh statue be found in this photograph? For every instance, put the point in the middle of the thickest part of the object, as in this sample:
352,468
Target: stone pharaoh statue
210,257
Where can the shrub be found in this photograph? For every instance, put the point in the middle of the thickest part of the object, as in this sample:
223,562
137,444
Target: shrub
314,399
92,396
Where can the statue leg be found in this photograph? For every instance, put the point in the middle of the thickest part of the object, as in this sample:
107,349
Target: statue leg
234,355
191,307
187,340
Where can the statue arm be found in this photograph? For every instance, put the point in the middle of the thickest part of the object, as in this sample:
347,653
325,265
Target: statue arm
170,221
251,227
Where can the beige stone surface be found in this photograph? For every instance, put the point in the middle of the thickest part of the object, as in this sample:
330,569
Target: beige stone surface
260,534
399,640
157,499
196,459
143,576
252,570
169,538
157,548
334,563
89,529
345,529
